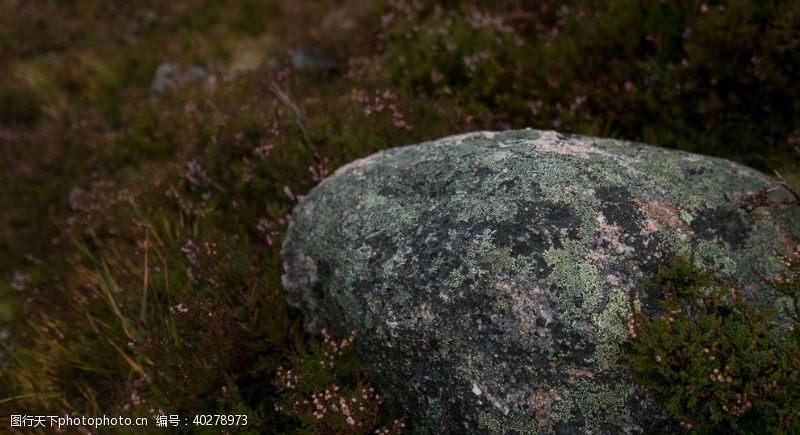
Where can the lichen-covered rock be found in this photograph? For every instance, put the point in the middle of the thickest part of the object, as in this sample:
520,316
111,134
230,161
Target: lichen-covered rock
488,275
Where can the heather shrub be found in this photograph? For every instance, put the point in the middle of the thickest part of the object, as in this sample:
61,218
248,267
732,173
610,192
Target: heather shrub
322,391
720,364
703,76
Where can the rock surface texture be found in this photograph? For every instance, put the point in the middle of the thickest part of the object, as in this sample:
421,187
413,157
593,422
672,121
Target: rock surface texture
487,275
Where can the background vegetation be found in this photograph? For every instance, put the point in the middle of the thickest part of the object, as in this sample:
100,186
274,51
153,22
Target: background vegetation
151,152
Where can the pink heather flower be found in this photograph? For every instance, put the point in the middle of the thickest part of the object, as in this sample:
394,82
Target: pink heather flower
266,227
398,120
387,19
20,280
288,192
472,60
264,149
194,172
179,308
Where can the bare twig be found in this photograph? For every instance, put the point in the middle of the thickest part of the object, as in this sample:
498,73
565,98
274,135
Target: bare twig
300,117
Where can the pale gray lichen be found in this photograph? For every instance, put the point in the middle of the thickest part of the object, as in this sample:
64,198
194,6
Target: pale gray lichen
502,262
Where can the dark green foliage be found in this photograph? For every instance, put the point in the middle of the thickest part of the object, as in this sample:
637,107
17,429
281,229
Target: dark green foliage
683,279
788,284
720,364
712,77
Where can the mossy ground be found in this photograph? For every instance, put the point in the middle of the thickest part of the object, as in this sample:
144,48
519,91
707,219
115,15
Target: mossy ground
140,232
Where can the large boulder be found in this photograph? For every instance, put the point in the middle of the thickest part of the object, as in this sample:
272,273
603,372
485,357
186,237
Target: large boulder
488,275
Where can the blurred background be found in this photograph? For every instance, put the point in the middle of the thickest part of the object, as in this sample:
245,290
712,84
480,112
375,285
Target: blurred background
150,152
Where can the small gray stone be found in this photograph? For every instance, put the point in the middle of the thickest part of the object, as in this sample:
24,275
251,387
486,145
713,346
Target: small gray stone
312,61
487,275
170,76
